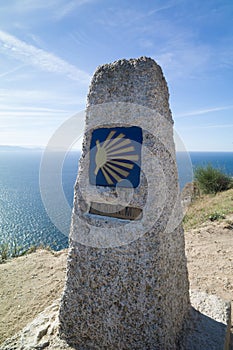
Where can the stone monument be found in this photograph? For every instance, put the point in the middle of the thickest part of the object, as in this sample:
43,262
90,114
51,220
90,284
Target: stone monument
127,284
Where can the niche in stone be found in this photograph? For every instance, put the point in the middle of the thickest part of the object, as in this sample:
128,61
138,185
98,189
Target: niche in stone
115,157
115,211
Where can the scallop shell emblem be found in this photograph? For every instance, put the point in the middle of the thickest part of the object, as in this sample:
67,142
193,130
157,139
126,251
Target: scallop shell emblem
114,157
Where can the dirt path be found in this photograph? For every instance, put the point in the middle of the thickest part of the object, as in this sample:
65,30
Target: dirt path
28,284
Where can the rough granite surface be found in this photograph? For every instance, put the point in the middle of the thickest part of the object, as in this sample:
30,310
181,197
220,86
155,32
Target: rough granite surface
127,283
208,328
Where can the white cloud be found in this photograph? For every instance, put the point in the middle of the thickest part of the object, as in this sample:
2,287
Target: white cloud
204,111
183,57
208,126
126,16
6,108
61,8
25,5
12,70
69,7
39,58
222,126
48,97
20,114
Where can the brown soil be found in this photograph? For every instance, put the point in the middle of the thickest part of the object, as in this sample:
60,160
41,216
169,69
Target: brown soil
209,251
30,283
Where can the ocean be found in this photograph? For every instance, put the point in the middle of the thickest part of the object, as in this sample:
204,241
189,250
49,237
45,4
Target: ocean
23,218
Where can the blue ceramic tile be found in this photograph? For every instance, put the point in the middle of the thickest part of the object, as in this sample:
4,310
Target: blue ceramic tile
115,156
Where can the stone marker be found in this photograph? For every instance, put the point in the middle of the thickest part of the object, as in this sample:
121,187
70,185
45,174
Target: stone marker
127,284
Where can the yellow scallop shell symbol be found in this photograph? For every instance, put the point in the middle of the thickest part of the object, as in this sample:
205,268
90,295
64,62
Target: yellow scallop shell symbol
112,156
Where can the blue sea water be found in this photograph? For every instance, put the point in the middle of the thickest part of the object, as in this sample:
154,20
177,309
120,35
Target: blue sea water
23,218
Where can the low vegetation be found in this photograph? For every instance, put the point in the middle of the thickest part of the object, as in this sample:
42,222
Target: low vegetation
209,207
212,180
214,200
4,252
7,252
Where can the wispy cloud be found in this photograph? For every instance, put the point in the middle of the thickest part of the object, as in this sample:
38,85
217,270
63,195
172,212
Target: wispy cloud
69,7
183,57
218,126
29,114
175,47
167,6
60,8
25,97
27,5
39,58
24,14
8,72
126,16
208,126
23,114
204,111
6,108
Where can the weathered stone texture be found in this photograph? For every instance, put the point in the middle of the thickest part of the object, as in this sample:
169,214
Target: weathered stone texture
139,81
127,284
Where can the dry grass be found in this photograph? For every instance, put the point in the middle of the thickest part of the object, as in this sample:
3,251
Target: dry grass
207,206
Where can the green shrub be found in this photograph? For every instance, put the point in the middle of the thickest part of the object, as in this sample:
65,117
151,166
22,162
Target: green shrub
16,250
216,216
4,252
212,180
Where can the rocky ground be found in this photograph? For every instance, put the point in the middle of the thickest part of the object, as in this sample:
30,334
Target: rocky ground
30,283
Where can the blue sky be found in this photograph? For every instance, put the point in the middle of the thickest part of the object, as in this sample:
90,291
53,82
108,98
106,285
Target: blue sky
49,50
